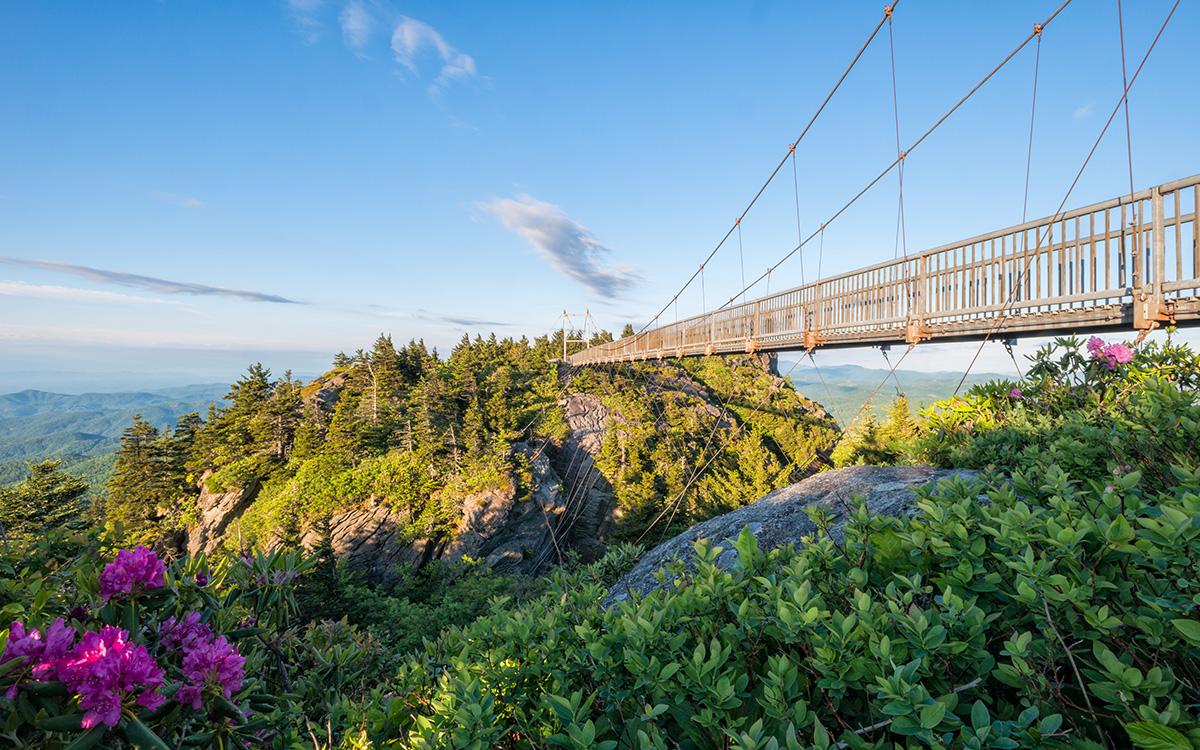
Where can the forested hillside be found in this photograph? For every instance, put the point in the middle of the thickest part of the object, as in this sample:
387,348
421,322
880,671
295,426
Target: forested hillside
82,431
425,440
1045,599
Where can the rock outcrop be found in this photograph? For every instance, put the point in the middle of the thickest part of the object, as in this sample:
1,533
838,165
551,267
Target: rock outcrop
216,511
781,517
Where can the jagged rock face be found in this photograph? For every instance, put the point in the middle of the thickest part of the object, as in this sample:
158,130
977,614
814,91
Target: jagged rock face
507,532
589,503
216,511
781,518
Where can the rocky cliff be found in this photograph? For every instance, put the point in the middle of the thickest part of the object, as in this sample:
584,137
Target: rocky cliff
565,505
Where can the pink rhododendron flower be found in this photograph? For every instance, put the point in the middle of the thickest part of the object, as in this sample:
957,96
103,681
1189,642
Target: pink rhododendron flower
60,637
1109,355
215,663
105,669
183,634
1121,353
138,569
41,657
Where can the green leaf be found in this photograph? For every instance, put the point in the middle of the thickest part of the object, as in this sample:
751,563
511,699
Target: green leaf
1189,629
1119,531
141,735
979,716
68,723
932,715
1150,735
88,739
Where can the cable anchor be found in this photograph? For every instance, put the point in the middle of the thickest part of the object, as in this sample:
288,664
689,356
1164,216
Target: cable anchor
1037,29
887,12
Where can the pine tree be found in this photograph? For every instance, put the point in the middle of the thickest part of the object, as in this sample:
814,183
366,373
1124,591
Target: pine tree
46,500
137,486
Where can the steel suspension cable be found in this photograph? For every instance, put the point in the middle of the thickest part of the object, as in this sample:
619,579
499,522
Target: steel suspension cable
1001,319
1037,62
1125,87
799,233
901,232
812,120
907,152
741,258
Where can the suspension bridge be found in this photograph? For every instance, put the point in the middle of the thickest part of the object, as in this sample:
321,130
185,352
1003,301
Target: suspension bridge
1128,263
1098,268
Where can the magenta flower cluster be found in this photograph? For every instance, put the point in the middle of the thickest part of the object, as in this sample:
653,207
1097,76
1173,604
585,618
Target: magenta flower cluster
132,571
1016,394
1109,355
182,634
104,669
210,662
41,657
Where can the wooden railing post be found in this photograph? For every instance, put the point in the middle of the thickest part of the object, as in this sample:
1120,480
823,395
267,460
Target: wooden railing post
1151,308
915,330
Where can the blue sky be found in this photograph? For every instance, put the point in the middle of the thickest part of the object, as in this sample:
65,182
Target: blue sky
186,187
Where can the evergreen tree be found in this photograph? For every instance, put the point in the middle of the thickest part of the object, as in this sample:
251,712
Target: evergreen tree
48,499
137,486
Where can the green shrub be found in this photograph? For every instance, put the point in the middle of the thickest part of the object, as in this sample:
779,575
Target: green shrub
1049,603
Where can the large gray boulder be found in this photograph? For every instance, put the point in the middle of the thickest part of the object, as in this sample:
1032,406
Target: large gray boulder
781,517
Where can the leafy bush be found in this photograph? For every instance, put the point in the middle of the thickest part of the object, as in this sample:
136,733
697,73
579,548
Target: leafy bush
201,653
1051,604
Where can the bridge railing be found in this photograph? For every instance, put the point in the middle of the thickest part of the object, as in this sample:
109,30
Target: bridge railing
1133,260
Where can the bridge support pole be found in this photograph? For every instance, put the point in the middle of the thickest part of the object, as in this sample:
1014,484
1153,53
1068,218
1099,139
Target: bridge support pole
1151,307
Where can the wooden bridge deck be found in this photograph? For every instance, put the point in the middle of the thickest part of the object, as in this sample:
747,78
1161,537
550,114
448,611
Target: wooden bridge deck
1128,263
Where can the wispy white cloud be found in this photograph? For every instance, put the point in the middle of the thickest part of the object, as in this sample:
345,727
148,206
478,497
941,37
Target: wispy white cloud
412,40
570,247
174,199
304,15
1082,112
149,283
357,24
72,294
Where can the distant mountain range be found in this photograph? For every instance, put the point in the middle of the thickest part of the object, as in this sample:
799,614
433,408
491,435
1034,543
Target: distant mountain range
849,386
83,430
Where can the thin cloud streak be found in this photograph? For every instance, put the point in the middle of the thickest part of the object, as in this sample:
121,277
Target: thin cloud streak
76,336
149,283
569,246
73,294
432,317
183,201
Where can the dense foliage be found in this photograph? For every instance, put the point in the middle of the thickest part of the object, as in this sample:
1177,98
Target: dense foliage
700,438
421,434
1052,603
1050,600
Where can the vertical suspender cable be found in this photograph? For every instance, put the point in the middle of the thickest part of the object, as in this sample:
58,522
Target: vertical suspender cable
741,259
901,232
1125,88
799,234
1001,319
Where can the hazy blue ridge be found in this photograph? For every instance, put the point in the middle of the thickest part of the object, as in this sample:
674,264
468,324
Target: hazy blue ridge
83,430
846,387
